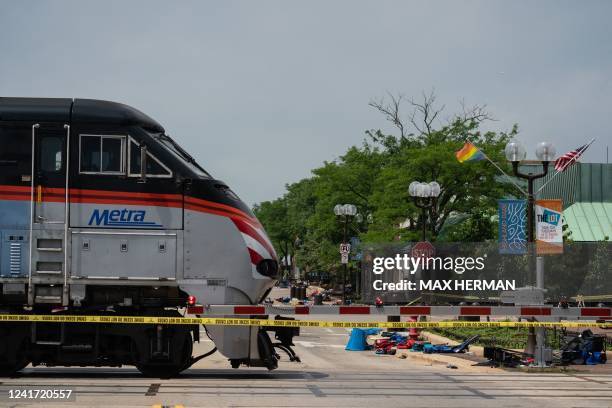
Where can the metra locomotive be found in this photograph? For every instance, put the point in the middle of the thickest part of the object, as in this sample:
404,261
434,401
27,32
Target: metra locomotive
101,212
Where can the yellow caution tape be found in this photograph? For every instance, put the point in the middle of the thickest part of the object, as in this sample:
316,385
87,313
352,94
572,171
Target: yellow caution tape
216,321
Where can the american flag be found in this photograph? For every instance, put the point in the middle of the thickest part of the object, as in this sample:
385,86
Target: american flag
570,158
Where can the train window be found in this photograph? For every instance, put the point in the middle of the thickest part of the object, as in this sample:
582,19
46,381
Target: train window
15,145
90,154
50,153
112,149
155,168
102,154
180,153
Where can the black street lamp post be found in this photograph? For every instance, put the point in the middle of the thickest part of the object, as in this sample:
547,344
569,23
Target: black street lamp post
347,211
545,152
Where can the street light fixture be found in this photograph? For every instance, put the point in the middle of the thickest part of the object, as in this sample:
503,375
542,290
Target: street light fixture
546,152
347,211
515,153
424,195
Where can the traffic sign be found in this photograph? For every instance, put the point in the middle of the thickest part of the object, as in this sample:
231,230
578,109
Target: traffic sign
423,249
345,250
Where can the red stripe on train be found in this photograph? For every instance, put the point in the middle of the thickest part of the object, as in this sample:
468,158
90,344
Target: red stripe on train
217,211
94,196
255,257
222,207
15,189
126,201
251,232
82,196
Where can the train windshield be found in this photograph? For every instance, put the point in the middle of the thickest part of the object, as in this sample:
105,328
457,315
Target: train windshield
180,153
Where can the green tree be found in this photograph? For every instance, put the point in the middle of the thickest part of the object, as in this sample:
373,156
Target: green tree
375,177
274,216
428,154
349,179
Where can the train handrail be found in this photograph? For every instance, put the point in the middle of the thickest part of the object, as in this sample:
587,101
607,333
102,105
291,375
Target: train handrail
30,291
65,299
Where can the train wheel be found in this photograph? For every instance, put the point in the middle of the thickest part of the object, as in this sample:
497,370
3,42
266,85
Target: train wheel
8,370
15,357
163,369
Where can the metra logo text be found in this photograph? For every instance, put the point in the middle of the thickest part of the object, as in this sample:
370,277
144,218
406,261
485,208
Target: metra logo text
121,218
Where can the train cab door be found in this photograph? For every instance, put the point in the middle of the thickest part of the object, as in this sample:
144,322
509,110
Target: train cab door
127,209
49,210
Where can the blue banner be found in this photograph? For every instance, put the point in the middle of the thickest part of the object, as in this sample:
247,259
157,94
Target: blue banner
356,252
512,226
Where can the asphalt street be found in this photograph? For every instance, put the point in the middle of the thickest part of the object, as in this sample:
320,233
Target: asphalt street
328,376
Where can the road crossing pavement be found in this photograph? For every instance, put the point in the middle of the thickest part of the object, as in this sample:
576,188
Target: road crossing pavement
328,376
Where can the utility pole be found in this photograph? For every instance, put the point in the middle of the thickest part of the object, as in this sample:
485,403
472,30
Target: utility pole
346,263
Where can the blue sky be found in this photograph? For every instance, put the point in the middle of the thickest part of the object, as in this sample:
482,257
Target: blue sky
261,92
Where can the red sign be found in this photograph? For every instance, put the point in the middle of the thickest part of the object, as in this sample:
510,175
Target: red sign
423,249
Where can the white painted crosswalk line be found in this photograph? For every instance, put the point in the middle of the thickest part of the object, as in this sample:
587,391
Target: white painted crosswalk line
312,344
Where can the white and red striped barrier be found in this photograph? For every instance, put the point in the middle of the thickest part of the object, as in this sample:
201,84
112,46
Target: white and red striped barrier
589,313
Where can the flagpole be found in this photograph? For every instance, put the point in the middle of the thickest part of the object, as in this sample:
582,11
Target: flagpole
499,168
566,166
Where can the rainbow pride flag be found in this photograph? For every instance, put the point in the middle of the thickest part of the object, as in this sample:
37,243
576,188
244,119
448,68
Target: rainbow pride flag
469,152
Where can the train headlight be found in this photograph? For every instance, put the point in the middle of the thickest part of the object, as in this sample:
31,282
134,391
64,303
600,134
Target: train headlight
268,267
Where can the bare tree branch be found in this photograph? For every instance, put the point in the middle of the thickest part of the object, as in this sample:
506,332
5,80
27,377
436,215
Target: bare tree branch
391,111
475,113
425,113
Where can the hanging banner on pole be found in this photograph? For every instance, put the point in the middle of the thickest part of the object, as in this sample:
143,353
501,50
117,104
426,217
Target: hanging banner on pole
549,228
512,226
